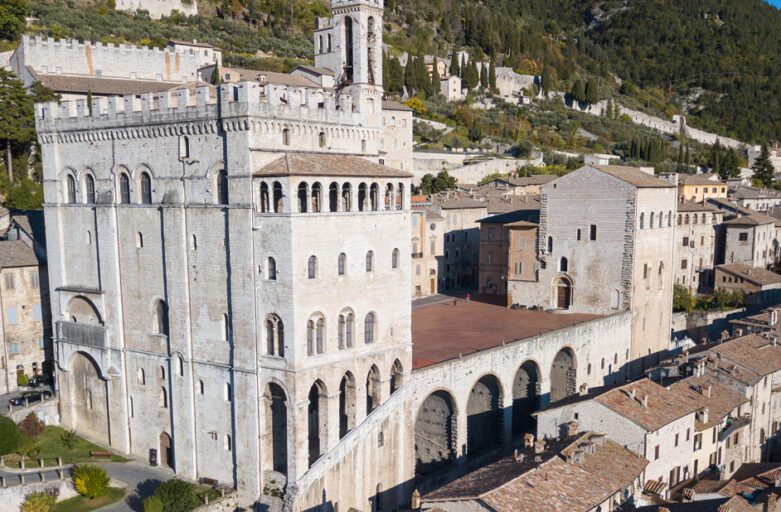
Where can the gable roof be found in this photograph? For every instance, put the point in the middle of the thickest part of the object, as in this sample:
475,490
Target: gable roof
633,176
271,77
663,406
321,164
706,391
81,84
752,219
747,359
316,70
754,275
16,253
395,105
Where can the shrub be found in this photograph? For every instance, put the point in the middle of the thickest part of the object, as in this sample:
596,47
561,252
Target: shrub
22,380
69,439
153,504
31,426
90,480
10,437
38,502
177,496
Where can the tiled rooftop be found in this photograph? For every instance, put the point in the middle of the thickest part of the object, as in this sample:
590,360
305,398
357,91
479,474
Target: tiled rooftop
748,358
633,176
316,164
720,401
441,332
16,253
755,275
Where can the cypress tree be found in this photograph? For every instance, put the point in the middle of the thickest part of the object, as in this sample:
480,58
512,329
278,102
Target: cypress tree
455,69
591,91
16,116
484,76
546,80
435,87
680,154
763,168
462,69
492,75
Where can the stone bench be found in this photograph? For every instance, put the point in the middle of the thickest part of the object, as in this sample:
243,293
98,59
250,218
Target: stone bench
99,455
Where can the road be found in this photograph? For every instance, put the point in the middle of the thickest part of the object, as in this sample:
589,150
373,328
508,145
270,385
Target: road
6,398
141,481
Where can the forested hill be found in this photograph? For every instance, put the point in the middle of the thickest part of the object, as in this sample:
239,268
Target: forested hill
719,61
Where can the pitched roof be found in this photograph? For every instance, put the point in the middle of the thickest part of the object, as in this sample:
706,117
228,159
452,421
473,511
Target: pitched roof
81,84
535,179
734,504
565,481
16,253
755,275
752,219
754,193
317,164
456,202
747,359
395,105
271,77
632,175
528,215
706,391
692,206
699,179
316,70
663,406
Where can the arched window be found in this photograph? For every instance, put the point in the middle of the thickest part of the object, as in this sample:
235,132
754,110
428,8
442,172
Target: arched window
348,42
370,261
361,197
312,267
277,197
180,366
320,47
222,187
71,185
310,337
642,220
369,328
695,218
201,387
163,398
89,189
563,265
264,199
317,197
321,139
347,197
303,195
275,336
225,324
146,188
124,189
389,197
286,136
228,392
395,259
669,219
550,245
400,197
272,269
342,264
139,240
330,40
341,331
661,219
140,376
333,197
374,197
184,147
160,318
651,223
320,335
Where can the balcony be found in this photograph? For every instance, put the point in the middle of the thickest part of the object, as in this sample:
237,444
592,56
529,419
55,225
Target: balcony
734,424
417,255
82,334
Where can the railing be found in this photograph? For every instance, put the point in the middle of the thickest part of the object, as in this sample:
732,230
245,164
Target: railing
81,334
733,424
417,255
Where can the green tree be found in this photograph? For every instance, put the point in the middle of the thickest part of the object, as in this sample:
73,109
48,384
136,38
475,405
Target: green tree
484,76
90,480
153,504
463,68
395,80
578,91
42,94
17,124
38,502
682,299
492,75
591,92
12,20
455,68
548,80
10,436
763,168
435,87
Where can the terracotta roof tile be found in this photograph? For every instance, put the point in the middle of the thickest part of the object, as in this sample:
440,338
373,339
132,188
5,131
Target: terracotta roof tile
755,275
633,176
81,84
720,400
748,358
316,164
16,253
663,406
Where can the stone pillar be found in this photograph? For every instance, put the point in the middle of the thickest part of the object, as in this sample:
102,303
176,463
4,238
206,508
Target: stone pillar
461,434
507,419
332,435
298,440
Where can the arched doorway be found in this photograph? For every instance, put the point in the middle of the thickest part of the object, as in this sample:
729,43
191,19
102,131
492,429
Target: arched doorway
88,396
526,398
346,404
317,420
563,293
563,376
484,422
372,389
397,374
435,434
276,426
166,451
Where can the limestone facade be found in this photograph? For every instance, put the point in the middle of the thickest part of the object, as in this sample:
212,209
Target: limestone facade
695,245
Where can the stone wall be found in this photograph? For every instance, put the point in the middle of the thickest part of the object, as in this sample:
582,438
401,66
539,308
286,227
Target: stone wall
159,8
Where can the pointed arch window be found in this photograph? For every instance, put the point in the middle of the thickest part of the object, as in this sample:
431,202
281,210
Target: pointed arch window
275,336
395,259
342,264
71,186
124,189
370,261
369,328
272,269
146,188
89,192
264,198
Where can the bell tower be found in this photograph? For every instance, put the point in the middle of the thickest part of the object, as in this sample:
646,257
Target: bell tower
350,43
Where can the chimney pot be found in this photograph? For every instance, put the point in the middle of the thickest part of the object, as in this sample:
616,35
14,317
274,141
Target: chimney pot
645,400
415,500
539,446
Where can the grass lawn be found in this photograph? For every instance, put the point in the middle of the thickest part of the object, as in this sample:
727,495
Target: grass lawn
50,446
83,504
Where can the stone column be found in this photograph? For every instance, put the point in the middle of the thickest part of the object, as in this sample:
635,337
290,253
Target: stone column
332,434
298,440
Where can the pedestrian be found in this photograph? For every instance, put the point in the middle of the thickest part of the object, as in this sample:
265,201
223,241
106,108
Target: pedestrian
468,297
455,301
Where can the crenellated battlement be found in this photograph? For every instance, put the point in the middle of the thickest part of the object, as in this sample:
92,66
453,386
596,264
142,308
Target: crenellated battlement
245,99
39,42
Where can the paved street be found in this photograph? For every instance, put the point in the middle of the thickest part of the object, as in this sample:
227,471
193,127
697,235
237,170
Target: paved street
4,399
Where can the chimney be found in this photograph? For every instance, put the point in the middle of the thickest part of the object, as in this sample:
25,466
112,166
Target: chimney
688,495
528,440
772,502
704,413
645,401
539,446
572,428
583,389
632,393
706,391
415,500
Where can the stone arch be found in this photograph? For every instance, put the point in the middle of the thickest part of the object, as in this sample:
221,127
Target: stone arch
82,310
563,289
563,375
166,450
396,376
372,389
347,401
317,420
88,396
276,426
484,415
435,433
526,397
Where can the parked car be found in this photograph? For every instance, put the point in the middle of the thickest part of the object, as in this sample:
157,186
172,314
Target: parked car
31,397
40,381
